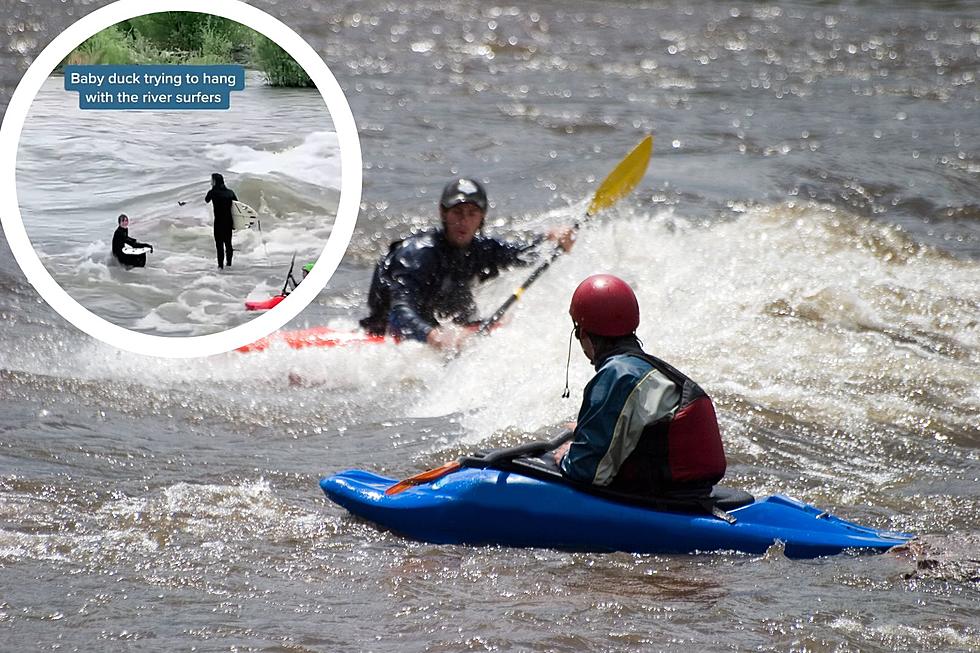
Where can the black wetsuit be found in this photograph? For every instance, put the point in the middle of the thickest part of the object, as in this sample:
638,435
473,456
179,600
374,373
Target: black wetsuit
423,279
221,196
120,238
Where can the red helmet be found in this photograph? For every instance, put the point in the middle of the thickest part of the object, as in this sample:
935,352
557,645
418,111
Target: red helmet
606,306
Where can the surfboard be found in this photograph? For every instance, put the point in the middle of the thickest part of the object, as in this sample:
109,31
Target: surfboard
243,216
135,251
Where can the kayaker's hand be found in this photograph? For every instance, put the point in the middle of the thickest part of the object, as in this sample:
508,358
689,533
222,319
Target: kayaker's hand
505,320
447,338
564,237
560,452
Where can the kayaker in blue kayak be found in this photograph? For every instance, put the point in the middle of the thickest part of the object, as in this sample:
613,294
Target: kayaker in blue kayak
638,475
422,288
643,428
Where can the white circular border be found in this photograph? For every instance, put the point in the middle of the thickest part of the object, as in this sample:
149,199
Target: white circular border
191,346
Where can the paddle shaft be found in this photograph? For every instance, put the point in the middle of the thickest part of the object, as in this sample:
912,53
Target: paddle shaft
481,461
528,449
488,324
289,275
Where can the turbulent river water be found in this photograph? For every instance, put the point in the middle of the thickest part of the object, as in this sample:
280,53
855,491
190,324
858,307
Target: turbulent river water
806,245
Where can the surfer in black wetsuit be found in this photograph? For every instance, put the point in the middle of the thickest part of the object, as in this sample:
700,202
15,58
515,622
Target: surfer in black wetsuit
221,198
120,238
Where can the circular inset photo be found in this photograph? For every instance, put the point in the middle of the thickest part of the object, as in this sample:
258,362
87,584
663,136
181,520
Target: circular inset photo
160,212
166,129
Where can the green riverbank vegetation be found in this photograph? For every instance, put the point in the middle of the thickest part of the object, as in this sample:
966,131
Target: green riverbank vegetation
185,37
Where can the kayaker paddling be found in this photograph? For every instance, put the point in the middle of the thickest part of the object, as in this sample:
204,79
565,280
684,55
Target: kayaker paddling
618,184
422,288
121,238
643,427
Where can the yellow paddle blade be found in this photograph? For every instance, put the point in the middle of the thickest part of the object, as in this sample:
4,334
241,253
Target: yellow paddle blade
425,477
624,178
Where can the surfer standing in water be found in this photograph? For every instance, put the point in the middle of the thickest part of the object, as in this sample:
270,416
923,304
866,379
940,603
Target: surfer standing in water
120,238
221,197
429,276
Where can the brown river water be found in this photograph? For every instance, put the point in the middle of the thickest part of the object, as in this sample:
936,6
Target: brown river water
805,245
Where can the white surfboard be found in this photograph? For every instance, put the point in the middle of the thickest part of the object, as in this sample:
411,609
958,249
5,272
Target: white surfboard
243,216
135,250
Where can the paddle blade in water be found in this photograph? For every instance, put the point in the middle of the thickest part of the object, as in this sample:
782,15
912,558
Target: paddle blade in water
424,477
624,178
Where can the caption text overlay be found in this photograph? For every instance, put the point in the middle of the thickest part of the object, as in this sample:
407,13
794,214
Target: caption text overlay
154,87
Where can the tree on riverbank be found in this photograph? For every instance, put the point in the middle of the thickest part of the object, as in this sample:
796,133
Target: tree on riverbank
184,37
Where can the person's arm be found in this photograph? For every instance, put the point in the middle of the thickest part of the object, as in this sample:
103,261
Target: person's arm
509,253
620,402
519,253
606,417
564,237
560,452
411,272
447,338
207,198
594,429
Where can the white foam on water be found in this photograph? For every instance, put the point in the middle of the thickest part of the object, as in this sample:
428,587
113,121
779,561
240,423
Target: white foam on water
284,239
316,160
834,323
94,271
16,546
137,526
157,296
827,318
902,636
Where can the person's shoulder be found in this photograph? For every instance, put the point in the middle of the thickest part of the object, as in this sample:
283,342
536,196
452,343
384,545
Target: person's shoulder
618,376
626,365
418,250
428,239
489,239
491,243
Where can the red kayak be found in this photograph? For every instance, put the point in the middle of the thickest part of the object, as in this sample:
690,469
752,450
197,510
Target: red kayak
272,302
316,337
264,304
324,336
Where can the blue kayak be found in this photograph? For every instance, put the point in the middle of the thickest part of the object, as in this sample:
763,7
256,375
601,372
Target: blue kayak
512,508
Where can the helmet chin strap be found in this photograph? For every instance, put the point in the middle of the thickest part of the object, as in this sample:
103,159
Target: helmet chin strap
566,394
